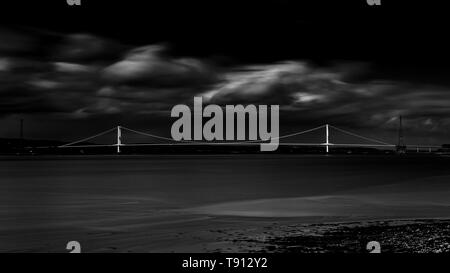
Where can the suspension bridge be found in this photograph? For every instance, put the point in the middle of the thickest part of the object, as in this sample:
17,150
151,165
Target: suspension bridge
325,133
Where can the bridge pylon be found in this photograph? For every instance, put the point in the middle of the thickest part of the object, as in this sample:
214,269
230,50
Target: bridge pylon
327,138
119,138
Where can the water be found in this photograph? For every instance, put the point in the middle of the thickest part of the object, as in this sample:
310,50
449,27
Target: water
39,195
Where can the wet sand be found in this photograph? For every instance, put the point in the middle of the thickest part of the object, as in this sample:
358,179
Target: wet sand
422,198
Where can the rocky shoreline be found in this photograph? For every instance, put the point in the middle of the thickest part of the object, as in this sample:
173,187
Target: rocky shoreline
394,236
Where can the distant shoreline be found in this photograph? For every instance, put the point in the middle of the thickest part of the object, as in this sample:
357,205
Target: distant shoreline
112,155
26,147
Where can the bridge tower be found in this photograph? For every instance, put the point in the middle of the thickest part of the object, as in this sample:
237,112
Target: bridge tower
327,138
401,147
119,139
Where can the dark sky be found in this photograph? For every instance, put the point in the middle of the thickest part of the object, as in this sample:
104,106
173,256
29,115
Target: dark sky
74,71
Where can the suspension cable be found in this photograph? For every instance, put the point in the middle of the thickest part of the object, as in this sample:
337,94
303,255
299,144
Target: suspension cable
88,138
299,133
359,136
151,135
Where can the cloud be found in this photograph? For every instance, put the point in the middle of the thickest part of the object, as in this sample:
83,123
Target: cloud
148,65
45,84
327,94
15,42
283,83
73,68
83,76
4,64
82,47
